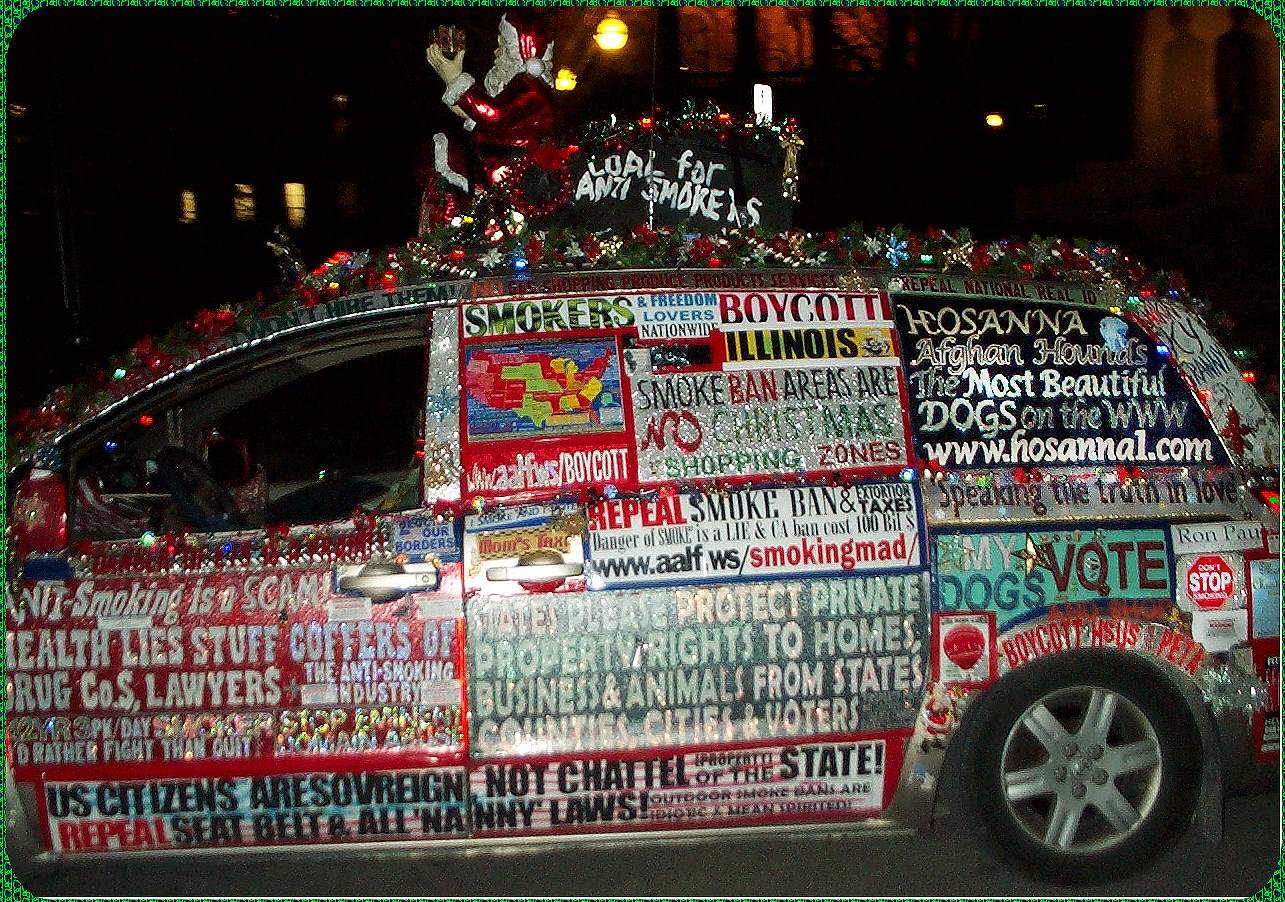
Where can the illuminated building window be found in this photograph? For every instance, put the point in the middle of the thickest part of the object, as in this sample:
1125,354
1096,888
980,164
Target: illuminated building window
243,202
707,39
346,195
295,204
784,39
187,206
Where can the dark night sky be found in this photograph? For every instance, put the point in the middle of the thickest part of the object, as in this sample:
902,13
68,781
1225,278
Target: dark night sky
125,107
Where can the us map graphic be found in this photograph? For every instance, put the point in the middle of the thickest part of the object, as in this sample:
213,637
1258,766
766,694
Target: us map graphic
545,388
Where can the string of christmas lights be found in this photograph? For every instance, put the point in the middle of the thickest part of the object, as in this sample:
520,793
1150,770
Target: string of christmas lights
497,240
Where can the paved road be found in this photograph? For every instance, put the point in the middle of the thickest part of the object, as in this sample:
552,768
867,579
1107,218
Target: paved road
935,864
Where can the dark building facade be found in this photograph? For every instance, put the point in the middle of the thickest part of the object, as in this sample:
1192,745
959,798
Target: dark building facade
150,153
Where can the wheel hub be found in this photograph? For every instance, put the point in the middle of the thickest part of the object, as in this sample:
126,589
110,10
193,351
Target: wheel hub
1081,768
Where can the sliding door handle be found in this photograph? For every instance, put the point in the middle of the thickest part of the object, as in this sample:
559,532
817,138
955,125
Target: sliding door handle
534,573
383,582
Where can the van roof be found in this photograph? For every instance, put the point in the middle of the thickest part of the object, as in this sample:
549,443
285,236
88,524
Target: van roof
474,261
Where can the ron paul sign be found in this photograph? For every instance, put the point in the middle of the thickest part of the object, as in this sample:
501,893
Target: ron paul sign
697,181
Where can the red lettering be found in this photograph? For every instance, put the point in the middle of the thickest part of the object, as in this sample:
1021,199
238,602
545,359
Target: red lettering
1121,550
1010,652
69,835
1146,564
1131,631
629,509
1098,635
1170,647
729,306
601,516
1061,570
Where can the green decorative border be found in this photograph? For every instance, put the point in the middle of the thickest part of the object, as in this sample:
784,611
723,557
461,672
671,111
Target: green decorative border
12,12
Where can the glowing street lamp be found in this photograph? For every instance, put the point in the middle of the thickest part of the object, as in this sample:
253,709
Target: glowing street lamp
994,120
565,80
612,33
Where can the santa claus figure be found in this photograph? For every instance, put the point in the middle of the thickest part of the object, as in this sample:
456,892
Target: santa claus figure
507,117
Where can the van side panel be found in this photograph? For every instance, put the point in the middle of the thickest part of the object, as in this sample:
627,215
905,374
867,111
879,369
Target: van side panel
745,637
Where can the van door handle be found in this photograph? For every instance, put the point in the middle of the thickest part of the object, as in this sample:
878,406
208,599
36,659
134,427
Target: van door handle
382,582
534,573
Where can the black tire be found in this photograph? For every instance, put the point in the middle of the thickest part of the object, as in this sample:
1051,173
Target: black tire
995,736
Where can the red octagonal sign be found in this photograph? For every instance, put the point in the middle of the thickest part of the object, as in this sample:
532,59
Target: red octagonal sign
1211,582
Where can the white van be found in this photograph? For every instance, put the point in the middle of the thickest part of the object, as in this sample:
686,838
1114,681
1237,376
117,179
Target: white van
622,550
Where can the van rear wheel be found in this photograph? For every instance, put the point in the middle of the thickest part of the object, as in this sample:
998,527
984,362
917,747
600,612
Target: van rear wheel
1079,768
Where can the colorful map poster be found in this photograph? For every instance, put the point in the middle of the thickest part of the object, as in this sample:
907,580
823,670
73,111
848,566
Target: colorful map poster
553,388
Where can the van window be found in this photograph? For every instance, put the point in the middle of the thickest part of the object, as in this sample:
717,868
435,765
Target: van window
306,441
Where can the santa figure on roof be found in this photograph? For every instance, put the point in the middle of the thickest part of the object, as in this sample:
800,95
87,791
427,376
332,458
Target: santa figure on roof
508,117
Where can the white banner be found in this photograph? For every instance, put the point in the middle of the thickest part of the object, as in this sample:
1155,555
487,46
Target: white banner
754,533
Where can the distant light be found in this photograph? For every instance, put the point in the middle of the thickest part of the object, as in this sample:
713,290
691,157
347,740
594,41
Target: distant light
296,204
1162,350
565,80
340,99
994,120
763,103
17,110
111,447
146,421
612,33
187,206
1249,376
684,68
243,202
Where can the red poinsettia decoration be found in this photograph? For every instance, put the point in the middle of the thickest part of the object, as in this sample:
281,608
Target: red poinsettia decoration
214,323
701,249
980,258
534,251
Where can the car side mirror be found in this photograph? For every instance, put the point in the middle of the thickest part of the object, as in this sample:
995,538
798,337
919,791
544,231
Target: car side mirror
39,514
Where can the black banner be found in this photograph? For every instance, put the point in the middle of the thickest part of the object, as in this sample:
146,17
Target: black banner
1018,384
705,183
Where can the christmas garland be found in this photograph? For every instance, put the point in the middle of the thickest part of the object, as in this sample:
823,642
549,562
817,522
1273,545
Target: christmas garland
614,133
496,240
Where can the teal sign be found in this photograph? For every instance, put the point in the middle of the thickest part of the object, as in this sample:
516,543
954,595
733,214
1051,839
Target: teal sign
1019,573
